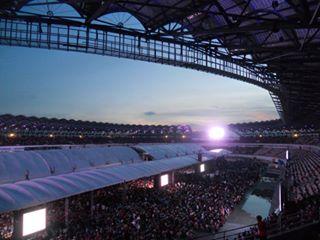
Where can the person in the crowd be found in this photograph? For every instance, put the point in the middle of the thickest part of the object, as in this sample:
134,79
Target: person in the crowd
262,229
137,210
194,204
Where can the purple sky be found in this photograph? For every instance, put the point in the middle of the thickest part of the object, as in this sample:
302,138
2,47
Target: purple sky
90,87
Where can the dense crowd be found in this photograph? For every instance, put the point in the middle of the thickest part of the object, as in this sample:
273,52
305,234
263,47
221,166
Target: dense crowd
305,212
194,204
303,175
6,225
303,205
297,215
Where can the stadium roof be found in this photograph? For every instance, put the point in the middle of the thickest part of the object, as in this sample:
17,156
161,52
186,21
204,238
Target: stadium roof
14,166
277,36
30,178
28,193
160,151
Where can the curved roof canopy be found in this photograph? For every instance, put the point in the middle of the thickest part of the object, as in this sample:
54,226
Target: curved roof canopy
161,151
52,174
28,193
17,166
278,36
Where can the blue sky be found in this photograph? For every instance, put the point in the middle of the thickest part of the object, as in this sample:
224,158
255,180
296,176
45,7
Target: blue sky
90,87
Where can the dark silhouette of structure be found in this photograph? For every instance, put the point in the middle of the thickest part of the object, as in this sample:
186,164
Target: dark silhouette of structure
272,44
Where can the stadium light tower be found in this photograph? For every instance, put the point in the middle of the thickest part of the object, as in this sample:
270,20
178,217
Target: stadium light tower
216,133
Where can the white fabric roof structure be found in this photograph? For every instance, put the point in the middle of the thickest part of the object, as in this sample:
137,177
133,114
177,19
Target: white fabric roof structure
160,151
60,173
44,163
28,193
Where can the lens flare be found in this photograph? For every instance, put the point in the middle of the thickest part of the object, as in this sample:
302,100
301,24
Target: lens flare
216,133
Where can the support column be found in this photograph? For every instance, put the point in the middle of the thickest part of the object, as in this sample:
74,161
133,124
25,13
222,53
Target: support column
66,211
91,204
17,225
156,182
171,178
124,192
196,169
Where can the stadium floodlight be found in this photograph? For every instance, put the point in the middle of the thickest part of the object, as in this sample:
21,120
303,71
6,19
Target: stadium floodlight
164,180
12,135
33,221
216,133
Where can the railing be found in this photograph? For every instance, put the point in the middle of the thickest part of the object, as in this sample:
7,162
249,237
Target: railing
165,51
58,146
283,146
283,224
228,234
266,145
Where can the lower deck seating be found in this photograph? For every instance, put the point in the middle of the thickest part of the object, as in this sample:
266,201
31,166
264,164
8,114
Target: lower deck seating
303,174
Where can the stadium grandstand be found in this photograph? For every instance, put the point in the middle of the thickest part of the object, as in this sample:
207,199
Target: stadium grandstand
22,130
276,131
70,179
186,190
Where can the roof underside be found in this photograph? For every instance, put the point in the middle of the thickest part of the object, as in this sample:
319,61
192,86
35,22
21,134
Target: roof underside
283,36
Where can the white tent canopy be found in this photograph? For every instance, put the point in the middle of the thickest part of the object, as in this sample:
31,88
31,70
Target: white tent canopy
14,166
31,178
160,151
28,193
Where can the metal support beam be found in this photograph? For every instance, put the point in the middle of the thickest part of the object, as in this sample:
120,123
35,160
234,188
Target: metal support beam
131,45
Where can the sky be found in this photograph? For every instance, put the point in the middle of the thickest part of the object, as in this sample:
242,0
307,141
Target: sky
50,83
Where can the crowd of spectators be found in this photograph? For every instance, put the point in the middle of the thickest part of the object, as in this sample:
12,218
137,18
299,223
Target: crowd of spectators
306,212
303,205
303,175
6,225
295,215
194,204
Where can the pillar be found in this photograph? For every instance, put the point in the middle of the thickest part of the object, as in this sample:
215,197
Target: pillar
17,225
66,211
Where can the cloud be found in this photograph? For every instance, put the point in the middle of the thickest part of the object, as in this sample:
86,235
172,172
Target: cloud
198,117
149,113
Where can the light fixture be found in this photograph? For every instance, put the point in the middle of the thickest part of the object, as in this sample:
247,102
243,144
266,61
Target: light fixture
12,135
216,133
